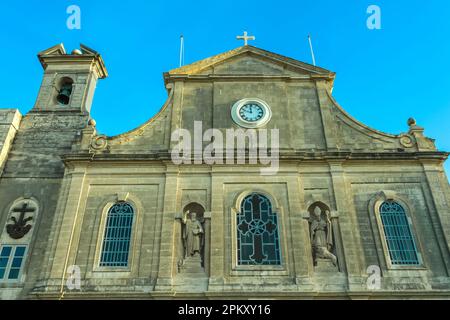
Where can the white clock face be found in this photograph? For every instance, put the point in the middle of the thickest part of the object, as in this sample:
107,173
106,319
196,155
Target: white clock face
251,112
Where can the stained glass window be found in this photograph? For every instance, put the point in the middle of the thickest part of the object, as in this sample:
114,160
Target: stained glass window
116,241
257,232
400,242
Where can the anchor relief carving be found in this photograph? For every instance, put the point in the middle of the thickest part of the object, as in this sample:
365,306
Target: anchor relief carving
20,227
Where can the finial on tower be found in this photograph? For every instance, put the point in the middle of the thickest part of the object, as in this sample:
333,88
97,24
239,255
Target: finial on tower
77,52
411,122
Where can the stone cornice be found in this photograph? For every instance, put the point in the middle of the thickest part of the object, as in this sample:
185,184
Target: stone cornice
379,294
243,77
198,66
284,156
58,55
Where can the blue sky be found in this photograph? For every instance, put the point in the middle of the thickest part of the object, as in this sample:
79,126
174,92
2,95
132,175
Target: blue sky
383,76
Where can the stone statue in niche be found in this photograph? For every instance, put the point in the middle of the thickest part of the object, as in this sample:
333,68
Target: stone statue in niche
191,270
321,235
192,235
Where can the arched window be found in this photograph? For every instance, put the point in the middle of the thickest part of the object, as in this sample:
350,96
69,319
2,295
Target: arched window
257,232
400,242
116,240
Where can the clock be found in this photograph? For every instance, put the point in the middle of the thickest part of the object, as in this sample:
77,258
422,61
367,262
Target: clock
251,113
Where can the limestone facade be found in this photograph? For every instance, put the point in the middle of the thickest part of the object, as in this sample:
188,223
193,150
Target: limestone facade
54,160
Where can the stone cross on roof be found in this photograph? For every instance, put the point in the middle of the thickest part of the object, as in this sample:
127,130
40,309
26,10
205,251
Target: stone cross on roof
245,37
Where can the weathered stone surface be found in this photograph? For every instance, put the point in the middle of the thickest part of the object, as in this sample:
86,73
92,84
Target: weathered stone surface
56,157
9,125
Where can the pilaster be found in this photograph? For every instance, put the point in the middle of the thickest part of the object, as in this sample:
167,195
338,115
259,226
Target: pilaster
68,222
167,253
217,235
348,224
438,186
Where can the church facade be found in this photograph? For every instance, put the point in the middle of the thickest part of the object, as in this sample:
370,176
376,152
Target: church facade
341,210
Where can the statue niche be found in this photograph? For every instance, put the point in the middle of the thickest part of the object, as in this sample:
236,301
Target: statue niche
321,234
193,235
191,254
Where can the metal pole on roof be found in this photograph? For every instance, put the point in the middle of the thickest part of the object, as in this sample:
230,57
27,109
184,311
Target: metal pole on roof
312,51
181,50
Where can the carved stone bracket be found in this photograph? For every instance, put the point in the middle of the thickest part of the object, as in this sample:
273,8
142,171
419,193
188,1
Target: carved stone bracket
207,215
334,214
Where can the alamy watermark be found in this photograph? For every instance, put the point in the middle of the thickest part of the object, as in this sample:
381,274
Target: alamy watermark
374,280
238,146
374,20
74,19
74,279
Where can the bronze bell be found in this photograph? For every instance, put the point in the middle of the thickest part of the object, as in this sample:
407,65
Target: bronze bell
64,94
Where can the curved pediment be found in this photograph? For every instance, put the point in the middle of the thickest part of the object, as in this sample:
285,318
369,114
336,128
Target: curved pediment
351,134
298,94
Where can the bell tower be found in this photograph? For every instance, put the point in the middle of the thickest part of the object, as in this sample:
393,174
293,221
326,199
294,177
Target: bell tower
61,111
69,79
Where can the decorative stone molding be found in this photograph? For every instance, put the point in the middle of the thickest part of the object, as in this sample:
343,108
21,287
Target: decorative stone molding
99,143
84,138
423,143
406,140
386,194
178,215
334,214
123,196
21,220
207,214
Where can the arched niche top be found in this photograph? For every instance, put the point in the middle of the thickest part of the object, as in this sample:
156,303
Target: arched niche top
323,207
194,207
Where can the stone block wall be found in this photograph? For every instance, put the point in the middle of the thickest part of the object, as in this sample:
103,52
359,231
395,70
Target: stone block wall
159,194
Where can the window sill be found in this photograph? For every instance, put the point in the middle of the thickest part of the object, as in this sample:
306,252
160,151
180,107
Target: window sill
259,271
111,269
11,284
406,268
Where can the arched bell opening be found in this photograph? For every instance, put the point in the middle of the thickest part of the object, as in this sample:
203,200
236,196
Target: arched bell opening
64,91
